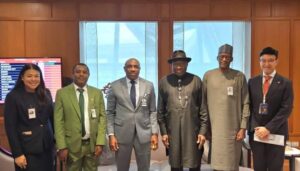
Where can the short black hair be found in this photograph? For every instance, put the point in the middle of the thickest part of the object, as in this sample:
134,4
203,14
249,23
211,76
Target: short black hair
269,51
80,64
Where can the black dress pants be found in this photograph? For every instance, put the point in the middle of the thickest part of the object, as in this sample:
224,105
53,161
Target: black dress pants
267,156
190,169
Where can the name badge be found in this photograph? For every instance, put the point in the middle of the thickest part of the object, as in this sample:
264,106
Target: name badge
230,91
144,100
31,113
263,109
93,113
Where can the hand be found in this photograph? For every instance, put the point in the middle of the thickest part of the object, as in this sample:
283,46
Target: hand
241,134
154,142
63,155
21,162
98,150
165,140
113,143
200,141
262,132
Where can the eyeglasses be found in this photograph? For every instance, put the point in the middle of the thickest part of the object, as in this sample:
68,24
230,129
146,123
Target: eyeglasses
267,61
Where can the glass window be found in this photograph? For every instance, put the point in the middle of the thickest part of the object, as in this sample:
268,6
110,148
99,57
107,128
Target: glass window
105,46
201,41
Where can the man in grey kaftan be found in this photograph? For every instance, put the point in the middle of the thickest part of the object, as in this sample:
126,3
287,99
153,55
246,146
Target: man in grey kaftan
181,125
226,101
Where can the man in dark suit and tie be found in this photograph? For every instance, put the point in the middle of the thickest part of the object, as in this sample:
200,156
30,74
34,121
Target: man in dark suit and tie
131,118
271,98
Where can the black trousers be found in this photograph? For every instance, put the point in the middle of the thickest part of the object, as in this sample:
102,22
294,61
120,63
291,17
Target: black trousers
267,157
190,169
39,162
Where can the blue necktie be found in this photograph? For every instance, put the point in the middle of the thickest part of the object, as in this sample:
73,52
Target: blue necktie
81,106
132,93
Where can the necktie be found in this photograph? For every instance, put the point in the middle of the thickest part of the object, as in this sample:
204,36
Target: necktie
81,106
132,93
266,84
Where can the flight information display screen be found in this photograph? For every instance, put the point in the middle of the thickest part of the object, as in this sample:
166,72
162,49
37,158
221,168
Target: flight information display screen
10,68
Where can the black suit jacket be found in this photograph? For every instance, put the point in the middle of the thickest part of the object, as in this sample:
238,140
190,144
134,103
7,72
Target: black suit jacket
28,136
280,103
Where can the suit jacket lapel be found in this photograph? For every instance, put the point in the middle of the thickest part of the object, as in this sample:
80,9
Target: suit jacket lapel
74,100
275,83
142,89
126,95
259,87
91,102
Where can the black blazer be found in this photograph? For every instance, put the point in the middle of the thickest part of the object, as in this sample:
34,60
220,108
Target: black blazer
280,103
28,136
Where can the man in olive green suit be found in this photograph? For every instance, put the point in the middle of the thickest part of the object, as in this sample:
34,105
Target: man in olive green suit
79,122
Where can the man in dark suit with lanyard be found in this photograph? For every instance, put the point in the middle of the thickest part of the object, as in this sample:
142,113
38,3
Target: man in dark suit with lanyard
271,99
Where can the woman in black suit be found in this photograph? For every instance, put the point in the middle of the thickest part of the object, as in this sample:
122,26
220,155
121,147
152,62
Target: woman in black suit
28,112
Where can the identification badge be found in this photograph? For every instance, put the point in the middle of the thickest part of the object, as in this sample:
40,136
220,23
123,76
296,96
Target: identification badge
144,100
31,113
230,91
263,109
93,113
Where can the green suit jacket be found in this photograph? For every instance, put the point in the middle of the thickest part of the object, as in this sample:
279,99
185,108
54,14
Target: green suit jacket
67,120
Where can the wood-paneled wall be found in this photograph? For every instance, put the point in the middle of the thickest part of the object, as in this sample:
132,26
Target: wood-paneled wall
51,28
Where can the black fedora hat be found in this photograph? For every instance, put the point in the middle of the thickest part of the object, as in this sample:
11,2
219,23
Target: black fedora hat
179,55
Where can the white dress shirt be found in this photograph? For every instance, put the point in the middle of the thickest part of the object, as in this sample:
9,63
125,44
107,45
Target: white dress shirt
86,110
271,79
137,86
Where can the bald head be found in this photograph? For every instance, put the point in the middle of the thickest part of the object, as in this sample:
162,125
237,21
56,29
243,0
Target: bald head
132,59
132,68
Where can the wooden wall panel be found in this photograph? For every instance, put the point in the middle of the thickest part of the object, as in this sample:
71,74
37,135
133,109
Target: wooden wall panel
233,9
11,38
286,8
53,38
164,48
183,10
25,10
164,11
140,11
275,34
295,78
262,8
99,11
65,10
3,138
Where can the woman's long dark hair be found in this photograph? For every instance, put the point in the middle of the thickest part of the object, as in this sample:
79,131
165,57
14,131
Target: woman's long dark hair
41,90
